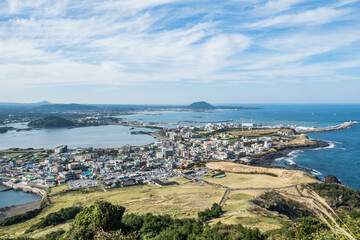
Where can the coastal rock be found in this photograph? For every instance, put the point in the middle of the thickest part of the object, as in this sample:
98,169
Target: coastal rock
331,179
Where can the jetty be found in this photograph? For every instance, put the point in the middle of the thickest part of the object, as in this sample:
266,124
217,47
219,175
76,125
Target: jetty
326,129
5,189
25,188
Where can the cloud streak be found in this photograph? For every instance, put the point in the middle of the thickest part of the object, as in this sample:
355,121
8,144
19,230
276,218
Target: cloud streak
45,42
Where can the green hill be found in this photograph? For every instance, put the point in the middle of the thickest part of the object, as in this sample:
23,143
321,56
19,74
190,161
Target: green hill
201,106
51,122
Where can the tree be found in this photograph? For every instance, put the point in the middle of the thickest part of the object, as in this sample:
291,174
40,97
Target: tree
101,216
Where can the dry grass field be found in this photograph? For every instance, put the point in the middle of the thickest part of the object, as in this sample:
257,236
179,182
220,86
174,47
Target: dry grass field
237,200
236,177
284,177
185,200
250,220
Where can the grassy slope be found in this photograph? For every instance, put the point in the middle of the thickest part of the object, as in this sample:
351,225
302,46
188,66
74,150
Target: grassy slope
184,200
237,199
179,201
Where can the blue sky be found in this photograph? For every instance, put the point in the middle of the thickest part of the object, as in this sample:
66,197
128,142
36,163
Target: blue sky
169,51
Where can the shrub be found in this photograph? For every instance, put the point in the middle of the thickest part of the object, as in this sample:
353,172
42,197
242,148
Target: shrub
100,216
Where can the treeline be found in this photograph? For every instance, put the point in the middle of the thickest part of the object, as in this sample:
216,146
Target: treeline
102,220
51,122
311,228
56,218
103,215
20,218
337,195
26,216
259,173
214,212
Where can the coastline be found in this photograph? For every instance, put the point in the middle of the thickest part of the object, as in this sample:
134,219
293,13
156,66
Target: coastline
268,159
13,210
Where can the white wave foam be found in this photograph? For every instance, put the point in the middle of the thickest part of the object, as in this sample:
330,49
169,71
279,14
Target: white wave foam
295,153
332,145
290,160
317,173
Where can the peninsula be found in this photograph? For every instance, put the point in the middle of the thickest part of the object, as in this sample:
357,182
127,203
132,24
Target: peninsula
51,122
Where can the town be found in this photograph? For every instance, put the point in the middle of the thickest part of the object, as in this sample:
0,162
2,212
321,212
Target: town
180,151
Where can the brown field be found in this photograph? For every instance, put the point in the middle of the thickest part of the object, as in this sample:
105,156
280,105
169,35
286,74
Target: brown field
237,200
184,200
250,220
285,177
179,201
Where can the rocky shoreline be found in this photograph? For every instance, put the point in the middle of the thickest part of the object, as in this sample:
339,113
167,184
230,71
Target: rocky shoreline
267,159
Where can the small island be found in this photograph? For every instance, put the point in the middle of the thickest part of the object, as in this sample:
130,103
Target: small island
3,129
51,122
201,106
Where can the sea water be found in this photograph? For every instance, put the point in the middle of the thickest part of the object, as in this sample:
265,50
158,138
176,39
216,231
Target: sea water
341,158
99,136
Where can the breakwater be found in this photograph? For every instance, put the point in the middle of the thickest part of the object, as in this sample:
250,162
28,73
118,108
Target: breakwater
326,129
25,188
4,190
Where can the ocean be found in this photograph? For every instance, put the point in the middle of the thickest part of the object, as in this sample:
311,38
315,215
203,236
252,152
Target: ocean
341,159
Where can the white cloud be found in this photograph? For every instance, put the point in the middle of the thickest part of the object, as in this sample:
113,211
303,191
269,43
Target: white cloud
312,17
275,6
141,42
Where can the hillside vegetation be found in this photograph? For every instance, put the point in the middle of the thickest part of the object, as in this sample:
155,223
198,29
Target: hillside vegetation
51,122
201,106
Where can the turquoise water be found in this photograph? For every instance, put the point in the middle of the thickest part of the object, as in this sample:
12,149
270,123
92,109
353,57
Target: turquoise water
101,136
12,197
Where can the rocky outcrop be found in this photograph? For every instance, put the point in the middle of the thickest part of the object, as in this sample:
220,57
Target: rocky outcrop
332,179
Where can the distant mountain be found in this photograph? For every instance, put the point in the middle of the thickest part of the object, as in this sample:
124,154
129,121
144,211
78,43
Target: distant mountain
51,122
201,106
66,107
24,104
43,103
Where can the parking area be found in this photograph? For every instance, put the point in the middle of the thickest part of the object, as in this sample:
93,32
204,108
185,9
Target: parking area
82,183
